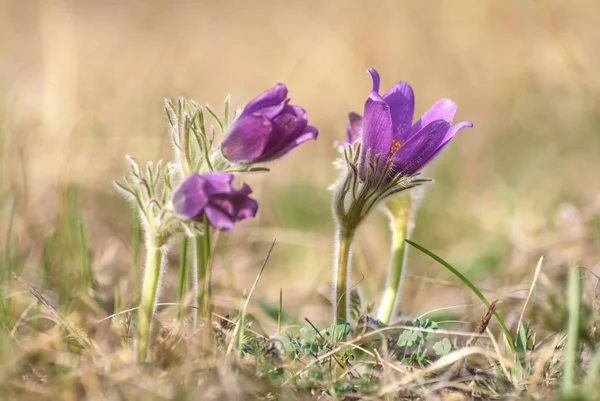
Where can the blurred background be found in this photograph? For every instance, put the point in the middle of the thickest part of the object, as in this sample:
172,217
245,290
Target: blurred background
83,84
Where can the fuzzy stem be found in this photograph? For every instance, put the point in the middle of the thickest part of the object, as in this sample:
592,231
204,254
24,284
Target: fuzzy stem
344,237
149,294
398,208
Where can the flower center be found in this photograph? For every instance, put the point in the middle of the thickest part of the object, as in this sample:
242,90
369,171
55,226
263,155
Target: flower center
396,144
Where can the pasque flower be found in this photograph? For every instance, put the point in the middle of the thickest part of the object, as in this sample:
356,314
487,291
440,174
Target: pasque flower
267,128
213,195
392,150
388,135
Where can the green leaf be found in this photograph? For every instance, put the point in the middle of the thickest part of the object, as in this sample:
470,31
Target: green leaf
339,331
405,339
521,345
442,347
458,274
226,113
217,119
307,333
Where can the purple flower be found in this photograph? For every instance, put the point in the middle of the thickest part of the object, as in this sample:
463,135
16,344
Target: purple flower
387,130
354,126
267,128
213,196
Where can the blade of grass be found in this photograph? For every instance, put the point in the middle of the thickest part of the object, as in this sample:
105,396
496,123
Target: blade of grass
8,242
87,282
538,269
572,344
45,270
280,311
117,300
6,265
469,284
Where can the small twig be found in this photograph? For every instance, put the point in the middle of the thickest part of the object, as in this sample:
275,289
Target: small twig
84,342
479,330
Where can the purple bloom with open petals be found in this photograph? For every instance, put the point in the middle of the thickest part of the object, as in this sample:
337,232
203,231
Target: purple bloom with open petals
267,129
212,195
388,132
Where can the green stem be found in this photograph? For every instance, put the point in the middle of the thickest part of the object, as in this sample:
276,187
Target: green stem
203,287
398,208
183,273
148,303
200,273
206,309
344,239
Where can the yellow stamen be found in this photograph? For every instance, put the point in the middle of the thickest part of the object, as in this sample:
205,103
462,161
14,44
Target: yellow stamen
396,144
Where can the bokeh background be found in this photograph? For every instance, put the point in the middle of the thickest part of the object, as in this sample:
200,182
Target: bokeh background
83,84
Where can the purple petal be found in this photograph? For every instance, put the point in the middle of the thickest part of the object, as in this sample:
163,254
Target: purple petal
307,134
289,131
401,100
454,129
190,199
377,134
450,134
247,207
354,126
375,78
225,210
217,182
218,218
240,206
420,149
271,97
443,109
247,138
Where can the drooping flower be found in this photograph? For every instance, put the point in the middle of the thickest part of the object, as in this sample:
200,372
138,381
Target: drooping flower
213,195
387,131
267,128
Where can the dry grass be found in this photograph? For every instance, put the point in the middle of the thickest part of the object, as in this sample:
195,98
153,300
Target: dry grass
84,83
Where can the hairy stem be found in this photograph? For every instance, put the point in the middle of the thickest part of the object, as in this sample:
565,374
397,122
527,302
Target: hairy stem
398,211
152,274
344,239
